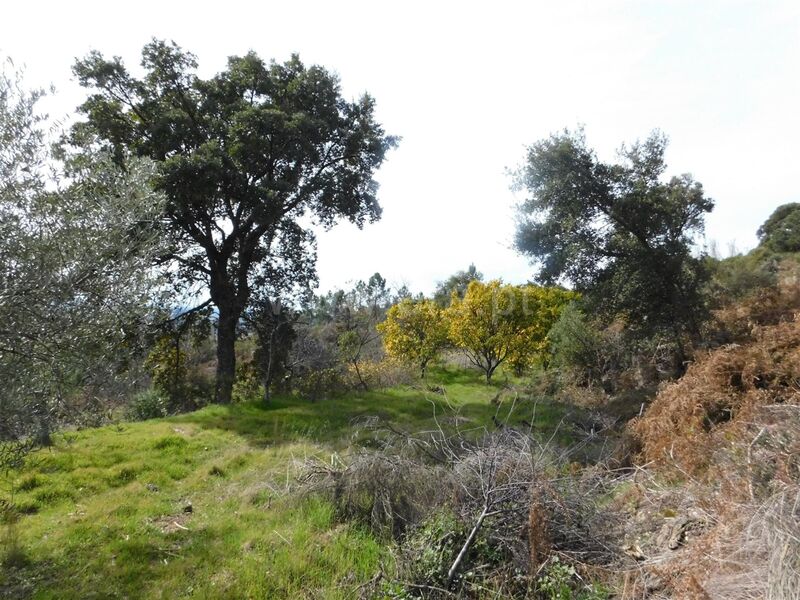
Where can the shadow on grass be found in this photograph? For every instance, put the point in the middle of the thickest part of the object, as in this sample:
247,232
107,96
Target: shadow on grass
292,419
20,579
461,400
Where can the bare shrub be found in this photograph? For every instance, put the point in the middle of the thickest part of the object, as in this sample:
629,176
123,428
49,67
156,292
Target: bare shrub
316,384
386,492
472,510
321,383
380,374
768,305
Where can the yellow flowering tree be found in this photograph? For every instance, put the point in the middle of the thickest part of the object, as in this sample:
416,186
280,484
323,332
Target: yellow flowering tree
543,307
496,322
414,332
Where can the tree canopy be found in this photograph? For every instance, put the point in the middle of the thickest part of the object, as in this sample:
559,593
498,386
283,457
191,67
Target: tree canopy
617,232
781,231
76,241
495,323
414,331
242,158
457,283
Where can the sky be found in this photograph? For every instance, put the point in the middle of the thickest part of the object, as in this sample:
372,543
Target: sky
468,85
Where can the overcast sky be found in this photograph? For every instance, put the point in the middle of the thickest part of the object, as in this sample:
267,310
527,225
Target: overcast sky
469,85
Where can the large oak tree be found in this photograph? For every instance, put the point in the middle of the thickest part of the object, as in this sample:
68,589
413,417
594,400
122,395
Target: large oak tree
620,233
247,160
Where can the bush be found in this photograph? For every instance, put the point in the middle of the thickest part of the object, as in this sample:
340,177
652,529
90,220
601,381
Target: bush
560,581
247,386
429,549
331,382
577,345
381,374
739,276
605,361
148,404
324,383
181,369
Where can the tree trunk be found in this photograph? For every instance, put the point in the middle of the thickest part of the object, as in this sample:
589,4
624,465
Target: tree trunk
175,383
467,544
226,354
267,379
489,372
361,381
42,415
682,360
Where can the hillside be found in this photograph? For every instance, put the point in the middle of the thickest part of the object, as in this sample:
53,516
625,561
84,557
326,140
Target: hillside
207,393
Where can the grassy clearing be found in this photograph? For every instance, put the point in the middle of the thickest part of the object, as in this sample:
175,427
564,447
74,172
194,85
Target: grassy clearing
105,511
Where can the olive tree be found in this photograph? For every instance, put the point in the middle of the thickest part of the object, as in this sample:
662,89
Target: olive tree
76,239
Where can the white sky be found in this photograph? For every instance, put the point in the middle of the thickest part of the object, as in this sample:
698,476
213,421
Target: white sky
469,85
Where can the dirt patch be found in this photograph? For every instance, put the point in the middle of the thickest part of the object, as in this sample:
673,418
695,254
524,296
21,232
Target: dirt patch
172,523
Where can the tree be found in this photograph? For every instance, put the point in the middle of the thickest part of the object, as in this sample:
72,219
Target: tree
781,231
457,283
282,283
494,323
273,323
414,332
358,312
76,294
167,361
542,309
618,233
243,159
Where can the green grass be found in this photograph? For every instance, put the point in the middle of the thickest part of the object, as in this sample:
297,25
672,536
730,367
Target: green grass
103,509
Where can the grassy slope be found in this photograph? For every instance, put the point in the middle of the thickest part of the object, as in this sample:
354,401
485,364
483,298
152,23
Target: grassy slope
98,528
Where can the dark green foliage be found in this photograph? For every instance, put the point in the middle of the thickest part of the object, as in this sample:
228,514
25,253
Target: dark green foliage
781,231
575,343
172,360
274,326
457,283
617,232
606,360
241,157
